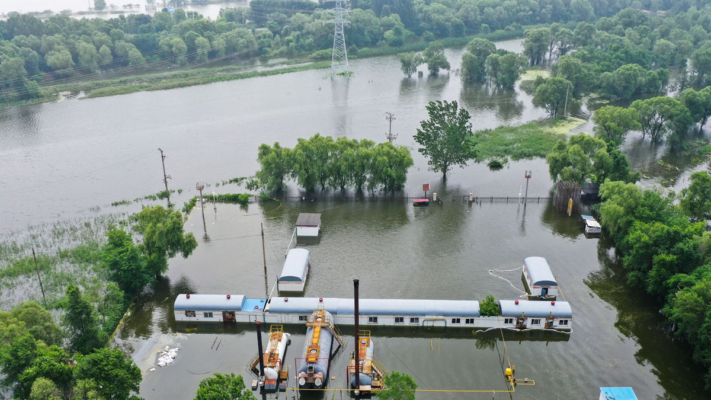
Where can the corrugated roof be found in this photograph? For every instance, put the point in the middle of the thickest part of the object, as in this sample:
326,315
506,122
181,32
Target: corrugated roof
618,393
295,265
461,308
308,219
539,271
209,302
543,309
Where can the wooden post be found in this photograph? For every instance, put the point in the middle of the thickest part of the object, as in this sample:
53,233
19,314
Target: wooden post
38,275
264,251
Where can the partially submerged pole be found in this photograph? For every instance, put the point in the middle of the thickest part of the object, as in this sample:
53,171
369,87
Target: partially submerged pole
357,338
261,351
44,300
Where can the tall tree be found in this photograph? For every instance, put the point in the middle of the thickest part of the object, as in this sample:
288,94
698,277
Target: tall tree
655,114
225,387
100,5
124,262
444,136
536,43
613,123
698,103
115,374
80,319
696,199
39,322
276,163
409,62
435,58
552,95
163,237
398,386
15,358
311,158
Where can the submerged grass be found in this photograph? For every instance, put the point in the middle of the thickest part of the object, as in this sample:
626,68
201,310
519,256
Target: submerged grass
532,140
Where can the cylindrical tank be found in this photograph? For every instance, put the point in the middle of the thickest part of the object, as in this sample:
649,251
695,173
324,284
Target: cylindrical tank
312,375
273,373
363,379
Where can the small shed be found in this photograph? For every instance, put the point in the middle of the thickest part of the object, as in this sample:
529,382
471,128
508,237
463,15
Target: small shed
617,393
308,225
590,192
296,267
539,278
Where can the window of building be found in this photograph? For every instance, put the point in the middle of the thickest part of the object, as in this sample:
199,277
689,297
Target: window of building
303,317
372,320
456,321
508,320
536,321
414,320
399,320
563,322
469,321
189,313
207,315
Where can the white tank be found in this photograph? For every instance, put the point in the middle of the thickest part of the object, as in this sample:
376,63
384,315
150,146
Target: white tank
273,373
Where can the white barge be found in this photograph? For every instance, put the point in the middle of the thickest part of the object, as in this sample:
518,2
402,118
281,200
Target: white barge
519,314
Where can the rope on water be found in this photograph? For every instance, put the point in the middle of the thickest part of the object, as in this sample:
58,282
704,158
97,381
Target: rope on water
492,272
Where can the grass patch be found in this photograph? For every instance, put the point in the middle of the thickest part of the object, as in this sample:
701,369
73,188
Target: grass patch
532,140
564,125
532,74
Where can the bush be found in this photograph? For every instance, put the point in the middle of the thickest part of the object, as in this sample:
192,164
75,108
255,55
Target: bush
488,307
321,55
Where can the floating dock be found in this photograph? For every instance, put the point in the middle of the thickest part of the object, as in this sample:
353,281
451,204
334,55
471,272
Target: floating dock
519,314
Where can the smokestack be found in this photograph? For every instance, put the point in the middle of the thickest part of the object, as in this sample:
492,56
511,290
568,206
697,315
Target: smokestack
261,351
357,338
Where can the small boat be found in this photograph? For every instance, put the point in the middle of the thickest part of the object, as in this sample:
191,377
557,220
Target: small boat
592,227
421,202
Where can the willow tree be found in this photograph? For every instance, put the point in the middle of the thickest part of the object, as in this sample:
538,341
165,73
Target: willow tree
163,237
276,164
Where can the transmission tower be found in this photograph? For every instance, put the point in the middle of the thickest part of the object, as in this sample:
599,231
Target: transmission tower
390,117
339,57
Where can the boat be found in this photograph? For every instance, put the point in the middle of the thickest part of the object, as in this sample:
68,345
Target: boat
421,202
592,227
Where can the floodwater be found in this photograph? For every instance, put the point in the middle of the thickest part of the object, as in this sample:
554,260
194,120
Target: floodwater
61,160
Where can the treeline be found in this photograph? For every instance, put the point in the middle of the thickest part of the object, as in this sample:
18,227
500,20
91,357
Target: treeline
40,360
35,51
666,250
321,161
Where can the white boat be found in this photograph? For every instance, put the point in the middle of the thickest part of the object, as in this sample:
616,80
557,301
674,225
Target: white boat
592,227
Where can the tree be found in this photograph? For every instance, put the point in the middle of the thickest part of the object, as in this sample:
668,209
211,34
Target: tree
488,307
80,320
224,387
698,103
552,94
582,10
444,136
577,72
613,123
124,262
100,5
434,54
311,159
580,159
163,237
38,322
535,45
655,114
52,363
701,64
472,68
15,358
398,386
584,34
114,373
44,389
389,167
409,62
696,199
505,70
664,53
276,164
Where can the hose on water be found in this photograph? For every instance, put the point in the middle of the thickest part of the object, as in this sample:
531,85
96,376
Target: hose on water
492,272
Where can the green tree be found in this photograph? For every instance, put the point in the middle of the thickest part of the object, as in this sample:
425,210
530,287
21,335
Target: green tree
505,70
80,321
488,307
105,55
38,322
224,387
163,237
551,95
613,123
584,34
311,159
115,374
698,103
409,62
276,165
655,114
52,363
582,10
577,72
124,262
444,136
44,389
389,167
701,64
434,56
472,69
580,159
398,386
15,358
100,5
535,45
696,199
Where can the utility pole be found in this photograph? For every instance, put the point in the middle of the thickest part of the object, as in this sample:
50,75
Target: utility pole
200,186
214,204
264,251
390,117
527,175
565,110
38,275
165,177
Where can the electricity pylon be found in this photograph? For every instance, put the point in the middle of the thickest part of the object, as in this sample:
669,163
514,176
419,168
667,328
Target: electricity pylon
339,57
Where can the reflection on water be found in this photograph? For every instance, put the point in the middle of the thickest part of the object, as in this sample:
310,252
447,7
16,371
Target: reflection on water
503,102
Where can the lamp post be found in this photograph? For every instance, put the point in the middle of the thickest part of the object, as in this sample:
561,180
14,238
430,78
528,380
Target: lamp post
200,186
527,175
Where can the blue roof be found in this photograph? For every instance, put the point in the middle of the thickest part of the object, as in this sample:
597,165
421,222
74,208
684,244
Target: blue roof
306,305
209,302
295,266
254,305
617,393
587,217
543,309
539,271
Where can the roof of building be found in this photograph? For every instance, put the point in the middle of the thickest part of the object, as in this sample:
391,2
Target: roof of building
559,309
618,393
308,219
209,302
460,308
295,266
592,223
539,271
